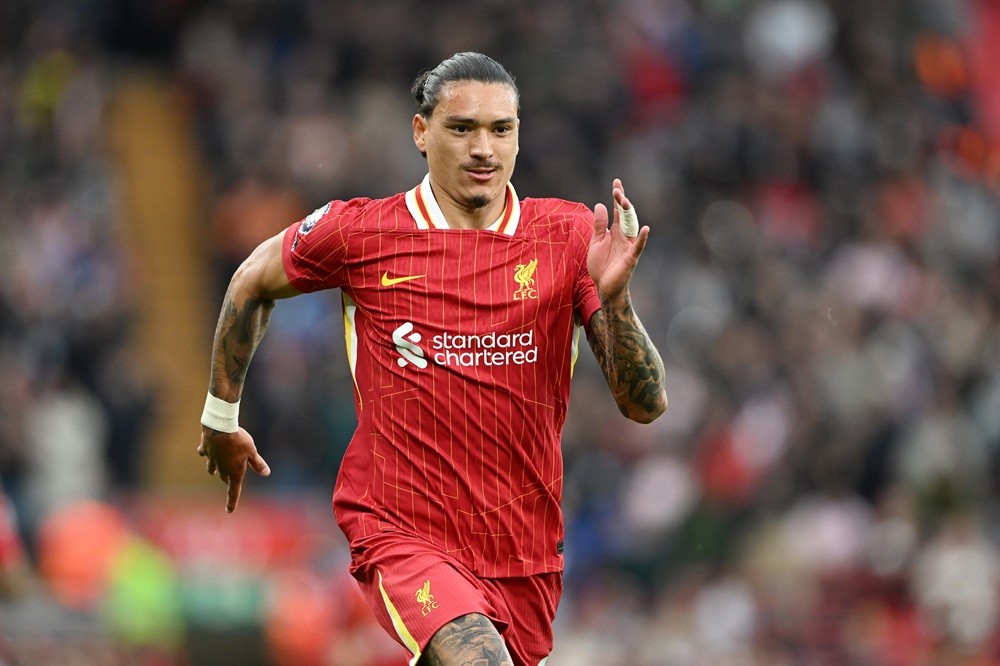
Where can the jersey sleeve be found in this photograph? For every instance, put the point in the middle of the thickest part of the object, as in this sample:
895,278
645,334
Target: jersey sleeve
586,300
315,249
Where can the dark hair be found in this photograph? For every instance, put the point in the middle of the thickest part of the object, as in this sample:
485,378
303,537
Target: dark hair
465,66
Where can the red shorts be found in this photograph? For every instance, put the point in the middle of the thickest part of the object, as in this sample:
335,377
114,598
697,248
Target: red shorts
415,589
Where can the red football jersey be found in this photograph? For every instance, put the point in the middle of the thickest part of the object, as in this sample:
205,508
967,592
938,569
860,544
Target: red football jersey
461,344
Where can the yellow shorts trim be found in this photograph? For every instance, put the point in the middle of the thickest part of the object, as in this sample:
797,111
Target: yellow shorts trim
397,622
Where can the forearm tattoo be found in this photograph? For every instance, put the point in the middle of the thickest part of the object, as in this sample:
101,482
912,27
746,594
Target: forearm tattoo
630,362
470,640
240,329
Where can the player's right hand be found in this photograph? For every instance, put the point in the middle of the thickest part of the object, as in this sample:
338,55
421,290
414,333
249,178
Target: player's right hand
228,454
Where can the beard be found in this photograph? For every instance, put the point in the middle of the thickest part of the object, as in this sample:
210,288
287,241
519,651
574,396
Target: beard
477,201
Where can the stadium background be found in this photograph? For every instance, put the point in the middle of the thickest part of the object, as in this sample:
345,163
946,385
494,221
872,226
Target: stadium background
823,279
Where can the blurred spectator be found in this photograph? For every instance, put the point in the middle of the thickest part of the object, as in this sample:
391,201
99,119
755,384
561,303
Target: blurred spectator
78,544
246,214
16,573
957,582
65,433
823,275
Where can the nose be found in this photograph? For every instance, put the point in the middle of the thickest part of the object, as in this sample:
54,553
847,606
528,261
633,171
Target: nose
482,146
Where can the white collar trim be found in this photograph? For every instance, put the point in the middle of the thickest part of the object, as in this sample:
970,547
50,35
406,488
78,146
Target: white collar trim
428,215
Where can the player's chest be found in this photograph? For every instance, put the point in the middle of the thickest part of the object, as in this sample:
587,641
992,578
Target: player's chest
454,274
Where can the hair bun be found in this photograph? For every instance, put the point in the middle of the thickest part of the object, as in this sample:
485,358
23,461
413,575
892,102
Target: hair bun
419,85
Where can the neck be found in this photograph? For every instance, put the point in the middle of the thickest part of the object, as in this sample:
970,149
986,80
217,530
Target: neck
461,216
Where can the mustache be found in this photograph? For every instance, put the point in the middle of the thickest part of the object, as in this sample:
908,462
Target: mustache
482,165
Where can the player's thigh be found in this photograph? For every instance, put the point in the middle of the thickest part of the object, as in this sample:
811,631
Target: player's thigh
529,605
469,640
415,589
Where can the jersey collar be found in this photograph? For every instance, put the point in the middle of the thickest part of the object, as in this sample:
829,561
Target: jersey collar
425,210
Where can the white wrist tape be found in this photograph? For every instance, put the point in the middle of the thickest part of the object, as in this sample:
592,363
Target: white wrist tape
221,415
628,220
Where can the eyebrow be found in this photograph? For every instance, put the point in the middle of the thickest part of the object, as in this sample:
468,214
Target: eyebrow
474,121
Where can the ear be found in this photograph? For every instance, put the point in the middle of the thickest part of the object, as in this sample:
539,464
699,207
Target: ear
420,132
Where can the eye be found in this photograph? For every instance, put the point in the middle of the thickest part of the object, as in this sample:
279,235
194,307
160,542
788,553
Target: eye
460,129
502,129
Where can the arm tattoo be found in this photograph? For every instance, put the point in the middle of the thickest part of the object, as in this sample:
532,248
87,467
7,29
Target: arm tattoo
630,362
240,329
470,640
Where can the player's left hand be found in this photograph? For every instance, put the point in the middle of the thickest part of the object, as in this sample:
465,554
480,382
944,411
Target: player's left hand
612,255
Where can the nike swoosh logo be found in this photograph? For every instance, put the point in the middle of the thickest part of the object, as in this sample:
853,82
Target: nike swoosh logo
388,281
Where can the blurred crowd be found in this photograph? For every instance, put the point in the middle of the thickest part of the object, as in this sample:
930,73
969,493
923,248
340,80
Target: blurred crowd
822,278
74,406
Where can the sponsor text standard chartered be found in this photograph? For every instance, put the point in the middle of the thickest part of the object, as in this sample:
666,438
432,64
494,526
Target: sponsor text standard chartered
489,349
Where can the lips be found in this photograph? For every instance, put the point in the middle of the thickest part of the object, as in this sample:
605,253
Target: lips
481,172
481,175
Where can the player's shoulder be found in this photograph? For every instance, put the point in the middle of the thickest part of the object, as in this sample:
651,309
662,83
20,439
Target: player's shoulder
558,216
357,211
552,206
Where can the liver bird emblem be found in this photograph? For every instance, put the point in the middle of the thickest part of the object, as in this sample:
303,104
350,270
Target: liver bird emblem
524,276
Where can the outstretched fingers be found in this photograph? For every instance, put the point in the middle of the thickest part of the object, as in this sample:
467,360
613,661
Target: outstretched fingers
618,192
228,456
258,464
600,221
625,216
235,478
235,482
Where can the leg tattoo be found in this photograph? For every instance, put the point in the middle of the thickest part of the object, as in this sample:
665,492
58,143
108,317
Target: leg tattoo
470,640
